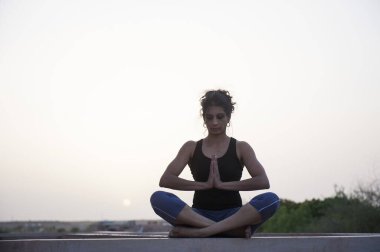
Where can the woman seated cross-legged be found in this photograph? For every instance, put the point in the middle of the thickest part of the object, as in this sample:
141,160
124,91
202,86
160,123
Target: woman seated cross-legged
216,163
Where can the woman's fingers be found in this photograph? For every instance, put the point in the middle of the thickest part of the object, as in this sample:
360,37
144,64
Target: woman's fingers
210,181
217,180
214,177
215,165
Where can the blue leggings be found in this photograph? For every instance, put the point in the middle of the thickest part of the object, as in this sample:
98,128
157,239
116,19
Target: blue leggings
168,206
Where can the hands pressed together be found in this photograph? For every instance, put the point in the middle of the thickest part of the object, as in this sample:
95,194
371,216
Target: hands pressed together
214,180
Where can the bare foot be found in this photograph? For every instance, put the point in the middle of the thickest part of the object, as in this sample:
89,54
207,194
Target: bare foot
182,232
248,232
242,232
191,232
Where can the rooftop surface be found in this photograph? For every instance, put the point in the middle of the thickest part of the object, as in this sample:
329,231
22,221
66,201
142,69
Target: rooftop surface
124,241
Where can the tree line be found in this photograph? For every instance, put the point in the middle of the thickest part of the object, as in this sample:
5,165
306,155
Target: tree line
355,212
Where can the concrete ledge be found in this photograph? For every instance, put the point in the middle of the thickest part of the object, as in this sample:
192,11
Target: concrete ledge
336,243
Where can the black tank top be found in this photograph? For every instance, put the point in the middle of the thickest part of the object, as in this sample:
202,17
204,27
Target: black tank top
230,169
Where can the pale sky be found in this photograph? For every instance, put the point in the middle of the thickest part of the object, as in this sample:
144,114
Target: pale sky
96,97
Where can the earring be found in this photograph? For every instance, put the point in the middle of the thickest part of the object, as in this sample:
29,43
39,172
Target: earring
228,124
204,125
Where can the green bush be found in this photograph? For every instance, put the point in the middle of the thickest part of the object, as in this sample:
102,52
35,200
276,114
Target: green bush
358,212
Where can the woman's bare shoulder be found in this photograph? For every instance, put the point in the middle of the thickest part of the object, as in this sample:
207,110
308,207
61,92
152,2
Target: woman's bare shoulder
242,147
190,143
242,144
188,148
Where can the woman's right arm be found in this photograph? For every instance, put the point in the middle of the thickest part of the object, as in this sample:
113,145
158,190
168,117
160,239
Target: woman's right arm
170,177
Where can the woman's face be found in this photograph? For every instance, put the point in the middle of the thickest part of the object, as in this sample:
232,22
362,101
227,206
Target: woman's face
216,120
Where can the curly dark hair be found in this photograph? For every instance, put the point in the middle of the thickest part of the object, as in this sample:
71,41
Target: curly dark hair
220,98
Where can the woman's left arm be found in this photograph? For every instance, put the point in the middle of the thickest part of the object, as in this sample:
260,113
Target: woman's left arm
258,180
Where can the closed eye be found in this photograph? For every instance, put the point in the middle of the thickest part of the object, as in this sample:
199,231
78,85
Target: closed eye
220,116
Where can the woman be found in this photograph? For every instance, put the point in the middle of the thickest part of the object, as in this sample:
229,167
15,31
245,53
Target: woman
216,163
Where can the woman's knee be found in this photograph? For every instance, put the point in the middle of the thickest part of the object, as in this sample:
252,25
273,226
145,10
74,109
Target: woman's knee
266,204
271,196
163,198
166,205
156,197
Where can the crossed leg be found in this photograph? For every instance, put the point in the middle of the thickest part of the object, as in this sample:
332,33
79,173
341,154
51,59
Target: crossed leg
237,225
188,217
188,223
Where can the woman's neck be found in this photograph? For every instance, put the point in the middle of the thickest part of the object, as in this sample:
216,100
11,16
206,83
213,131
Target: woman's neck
216,139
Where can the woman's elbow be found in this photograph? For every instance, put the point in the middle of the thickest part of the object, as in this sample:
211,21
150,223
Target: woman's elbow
266,184
163,181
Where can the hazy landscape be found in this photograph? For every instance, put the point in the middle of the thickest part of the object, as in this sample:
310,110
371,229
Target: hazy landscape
354,212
